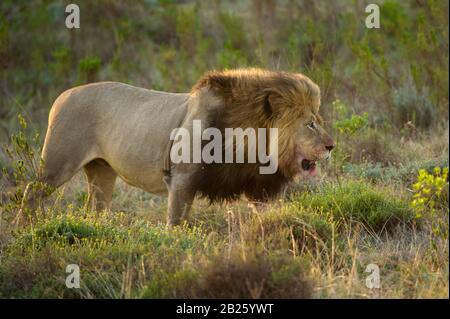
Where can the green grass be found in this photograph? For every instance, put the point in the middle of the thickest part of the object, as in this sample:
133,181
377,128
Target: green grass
159,262
376,208
101,249
274,254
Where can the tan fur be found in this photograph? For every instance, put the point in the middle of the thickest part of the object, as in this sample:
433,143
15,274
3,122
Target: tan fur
112,129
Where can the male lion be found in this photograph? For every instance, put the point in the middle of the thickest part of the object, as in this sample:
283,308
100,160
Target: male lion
112,129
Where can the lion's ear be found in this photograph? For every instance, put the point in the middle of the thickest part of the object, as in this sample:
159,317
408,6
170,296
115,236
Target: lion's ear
271,100
267,106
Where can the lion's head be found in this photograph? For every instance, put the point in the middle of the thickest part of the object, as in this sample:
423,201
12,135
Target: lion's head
303,138
255,98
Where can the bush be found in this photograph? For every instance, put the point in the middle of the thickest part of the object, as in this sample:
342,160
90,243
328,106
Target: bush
431,190
373,146
88,68
413,106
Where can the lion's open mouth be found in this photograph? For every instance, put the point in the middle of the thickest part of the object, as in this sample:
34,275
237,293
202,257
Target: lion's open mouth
308,165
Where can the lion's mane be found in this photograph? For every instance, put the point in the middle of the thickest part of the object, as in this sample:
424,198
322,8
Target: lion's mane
254,98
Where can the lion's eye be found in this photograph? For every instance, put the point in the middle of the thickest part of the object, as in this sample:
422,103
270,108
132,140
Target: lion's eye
312,125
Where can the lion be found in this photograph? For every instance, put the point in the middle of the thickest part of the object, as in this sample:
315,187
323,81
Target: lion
111,130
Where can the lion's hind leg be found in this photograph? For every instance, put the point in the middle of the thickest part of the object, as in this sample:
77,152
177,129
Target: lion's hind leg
101,180
47,181
33,195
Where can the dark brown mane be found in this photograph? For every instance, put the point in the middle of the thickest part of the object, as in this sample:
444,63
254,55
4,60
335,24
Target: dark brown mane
253,98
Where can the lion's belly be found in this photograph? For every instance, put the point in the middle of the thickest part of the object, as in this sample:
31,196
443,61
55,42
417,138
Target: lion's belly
150,181
140,164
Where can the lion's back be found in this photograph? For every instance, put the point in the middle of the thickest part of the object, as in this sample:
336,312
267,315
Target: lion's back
127,126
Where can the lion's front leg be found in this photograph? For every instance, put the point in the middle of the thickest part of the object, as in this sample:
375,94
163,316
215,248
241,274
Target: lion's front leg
263,206
180,202
181,196
257,207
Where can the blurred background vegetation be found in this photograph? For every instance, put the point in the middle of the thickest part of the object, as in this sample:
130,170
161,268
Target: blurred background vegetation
398,73
383,197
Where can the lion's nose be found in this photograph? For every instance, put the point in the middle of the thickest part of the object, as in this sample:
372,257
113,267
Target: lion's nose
330,147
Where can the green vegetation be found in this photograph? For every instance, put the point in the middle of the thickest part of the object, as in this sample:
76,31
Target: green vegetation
359,202
382,199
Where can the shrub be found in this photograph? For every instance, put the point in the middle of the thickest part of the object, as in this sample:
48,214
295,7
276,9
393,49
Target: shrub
23,167
88,68
352,124
431,190
413,106
373,146
430,200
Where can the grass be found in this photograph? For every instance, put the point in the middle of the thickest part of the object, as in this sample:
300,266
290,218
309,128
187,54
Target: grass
317,244
376,209
100,248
